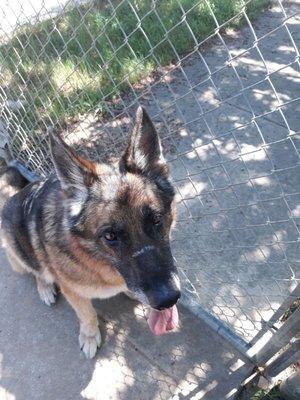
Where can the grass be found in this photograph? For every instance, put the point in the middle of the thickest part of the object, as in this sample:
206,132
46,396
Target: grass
76,62
258,394
293,307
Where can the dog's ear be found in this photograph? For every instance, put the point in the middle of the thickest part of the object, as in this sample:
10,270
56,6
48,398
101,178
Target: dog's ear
144,153
72,170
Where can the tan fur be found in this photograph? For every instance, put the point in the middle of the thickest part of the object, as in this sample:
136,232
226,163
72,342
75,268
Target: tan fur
102,274
89,337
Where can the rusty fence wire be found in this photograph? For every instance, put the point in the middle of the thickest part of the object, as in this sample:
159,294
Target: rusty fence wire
220,80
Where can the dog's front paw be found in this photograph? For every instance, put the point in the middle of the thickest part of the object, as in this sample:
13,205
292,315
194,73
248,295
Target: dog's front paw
89,343
47,292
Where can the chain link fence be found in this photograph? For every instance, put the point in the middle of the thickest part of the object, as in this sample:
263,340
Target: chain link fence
220,79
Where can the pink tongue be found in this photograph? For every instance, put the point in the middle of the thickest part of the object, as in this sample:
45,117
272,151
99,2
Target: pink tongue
162,321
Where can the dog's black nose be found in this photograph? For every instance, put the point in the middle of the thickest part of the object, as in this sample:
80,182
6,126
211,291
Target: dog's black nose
167,300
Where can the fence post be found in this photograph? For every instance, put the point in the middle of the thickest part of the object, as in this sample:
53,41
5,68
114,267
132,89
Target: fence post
280,338
284,360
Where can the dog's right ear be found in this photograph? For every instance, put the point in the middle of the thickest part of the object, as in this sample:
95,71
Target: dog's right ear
72,170
143,154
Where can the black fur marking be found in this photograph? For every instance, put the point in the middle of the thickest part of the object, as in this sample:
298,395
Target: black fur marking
165,186
16,221
40,230
14,178
123,196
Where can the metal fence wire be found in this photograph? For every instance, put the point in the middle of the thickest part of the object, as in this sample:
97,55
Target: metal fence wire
219,79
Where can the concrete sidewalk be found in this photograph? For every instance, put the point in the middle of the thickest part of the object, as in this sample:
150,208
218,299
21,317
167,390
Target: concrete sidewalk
40,357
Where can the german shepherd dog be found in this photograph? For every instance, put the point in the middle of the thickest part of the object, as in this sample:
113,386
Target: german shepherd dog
96,230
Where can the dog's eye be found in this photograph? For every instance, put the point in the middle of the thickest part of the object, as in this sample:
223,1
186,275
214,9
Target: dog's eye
110,236
156,220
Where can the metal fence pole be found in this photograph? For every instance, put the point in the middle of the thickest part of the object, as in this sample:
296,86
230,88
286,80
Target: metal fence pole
284,360
281,338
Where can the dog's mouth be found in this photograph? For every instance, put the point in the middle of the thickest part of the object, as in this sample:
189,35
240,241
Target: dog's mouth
161,322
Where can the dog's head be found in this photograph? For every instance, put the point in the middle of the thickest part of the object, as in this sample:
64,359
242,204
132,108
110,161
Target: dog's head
123,215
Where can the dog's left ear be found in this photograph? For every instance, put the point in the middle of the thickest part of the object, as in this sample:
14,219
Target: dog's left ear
144,152
72,170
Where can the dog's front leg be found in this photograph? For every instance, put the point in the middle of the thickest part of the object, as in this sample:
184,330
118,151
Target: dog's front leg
89,336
